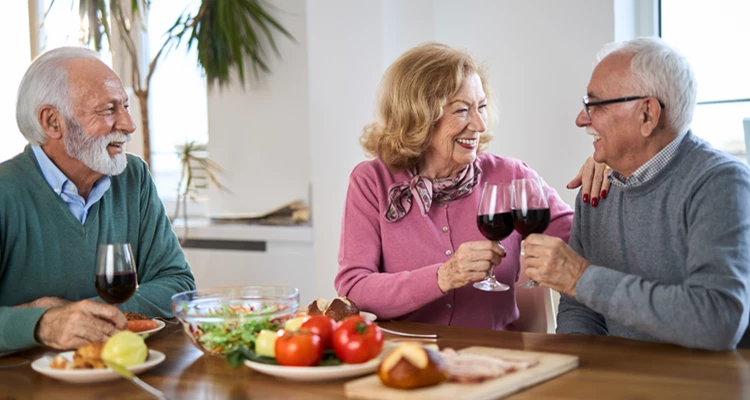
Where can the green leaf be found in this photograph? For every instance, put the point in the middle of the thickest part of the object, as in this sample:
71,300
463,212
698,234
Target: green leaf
329,359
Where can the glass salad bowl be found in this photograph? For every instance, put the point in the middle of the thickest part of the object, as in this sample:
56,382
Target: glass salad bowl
220,320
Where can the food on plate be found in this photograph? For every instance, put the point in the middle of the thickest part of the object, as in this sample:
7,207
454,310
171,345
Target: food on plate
227,336
341,308
59,362
338,309
265,343
89,357
323,326
298,349
317,307
86,357
474,368
125,348
295,323
131,316
357,340
142,325
411,366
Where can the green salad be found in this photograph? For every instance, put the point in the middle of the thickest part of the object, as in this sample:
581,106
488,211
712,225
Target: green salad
228,336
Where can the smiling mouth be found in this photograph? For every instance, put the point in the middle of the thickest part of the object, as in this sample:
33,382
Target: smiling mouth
468,143
594,134
117,144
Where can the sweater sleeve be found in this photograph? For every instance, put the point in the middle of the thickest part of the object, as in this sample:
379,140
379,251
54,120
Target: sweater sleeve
572,316
388,295
17,326
162,268
709,309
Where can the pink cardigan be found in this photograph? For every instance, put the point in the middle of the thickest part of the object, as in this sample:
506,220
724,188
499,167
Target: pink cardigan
390,268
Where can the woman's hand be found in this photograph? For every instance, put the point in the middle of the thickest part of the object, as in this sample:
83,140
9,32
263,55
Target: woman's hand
593,177
470,263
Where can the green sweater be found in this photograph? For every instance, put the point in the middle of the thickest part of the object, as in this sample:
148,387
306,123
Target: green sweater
45,251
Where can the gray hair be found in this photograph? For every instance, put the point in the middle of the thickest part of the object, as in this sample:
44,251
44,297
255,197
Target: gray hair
661,72
46,83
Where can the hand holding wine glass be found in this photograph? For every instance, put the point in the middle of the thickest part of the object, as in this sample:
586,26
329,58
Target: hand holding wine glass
531,212
495,221
115,273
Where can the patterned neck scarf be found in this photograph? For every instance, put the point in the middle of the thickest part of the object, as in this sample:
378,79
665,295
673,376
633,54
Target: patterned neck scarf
425,190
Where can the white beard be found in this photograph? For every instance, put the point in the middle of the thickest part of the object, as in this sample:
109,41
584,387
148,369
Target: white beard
92,150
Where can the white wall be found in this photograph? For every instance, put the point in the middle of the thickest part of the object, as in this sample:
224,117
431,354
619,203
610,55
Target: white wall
261,135
303,125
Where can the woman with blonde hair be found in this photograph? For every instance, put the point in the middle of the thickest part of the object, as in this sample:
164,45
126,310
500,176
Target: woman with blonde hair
410,247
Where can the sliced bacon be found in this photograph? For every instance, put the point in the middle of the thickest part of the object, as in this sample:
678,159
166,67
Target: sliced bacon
474,368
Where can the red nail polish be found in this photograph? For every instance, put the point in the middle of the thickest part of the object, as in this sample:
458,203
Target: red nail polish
604,194
594,202
585,198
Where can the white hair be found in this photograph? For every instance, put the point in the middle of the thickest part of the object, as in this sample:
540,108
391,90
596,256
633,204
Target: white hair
661,72
46,83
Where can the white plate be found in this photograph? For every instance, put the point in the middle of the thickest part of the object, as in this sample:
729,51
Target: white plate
159,326
91,375
368,316
315,373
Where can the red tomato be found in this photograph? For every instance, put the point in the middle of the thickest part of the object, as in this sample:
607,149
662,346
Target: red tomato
323,326
300,349
357,340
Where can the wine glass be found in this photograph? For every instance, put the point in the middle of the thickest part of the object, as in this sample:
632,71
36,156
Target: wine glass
495,222
530,211
115,273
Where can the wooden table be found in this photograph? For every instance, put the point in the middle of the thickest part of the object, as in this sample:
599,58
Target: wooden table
610,368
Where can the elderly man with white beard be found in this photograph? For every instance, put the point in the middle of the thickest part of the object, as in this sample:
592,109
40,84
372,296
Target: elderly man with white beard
71,189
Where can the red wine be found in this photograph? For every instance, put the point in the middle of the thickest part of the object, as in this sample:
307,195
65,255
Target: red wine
115,288
495,226
534,221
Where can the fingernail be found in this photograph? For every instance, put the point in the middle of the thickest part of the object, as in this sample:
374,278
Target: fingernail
567,186
603,194
585,198
594,202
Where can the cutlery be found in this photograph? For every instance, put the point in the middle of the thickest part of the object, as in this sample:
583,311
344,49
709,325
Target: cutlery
414,335
123,372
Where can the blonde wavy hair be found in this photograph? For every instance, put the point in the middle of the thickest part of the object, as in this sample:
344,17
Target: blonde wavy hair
412,94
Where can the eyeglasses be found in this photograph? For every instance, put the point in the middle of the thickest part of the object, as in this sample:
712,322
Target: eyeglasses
587,103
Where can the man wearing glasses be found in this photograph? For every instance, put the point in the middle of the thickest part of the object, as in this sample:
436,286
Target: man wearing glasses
667,256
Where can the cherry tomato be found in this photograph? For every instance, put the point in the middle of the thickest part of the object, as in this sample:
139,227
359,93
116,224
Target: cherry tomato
323,326
300,349
357,340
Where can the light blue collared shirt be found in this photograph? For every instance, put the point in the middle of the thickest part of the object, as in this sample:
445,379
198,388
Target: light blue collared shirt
67,191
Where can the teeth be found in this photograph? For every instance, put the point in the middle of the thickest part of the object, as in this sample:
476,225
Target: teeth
469,142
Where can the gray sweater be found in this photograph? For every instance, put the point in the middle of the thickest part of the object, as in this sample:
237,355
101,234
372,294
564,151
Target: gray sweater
670,258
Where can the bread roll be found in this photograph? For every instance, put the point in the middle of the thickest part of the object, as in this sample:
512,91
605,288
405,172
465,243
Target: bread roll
340,308
411,366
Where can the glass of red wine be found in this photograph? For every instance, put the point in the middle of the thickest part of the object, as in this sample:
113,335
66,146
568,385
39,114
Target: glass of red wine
115,273
495,222
530,211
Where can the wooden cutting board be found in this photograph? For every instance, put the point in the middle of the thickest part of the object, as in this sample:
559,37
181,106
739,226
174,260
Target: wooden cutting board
550,365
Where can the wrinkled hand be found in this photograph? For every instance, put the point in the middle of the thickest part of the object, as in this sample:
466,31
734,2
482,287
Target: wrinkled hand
44,302
551,262
593,177
470,263
76,324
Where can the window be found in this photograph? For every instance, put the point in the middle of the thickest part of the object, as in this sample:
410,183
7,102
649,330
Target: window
178,105
715,37
12,141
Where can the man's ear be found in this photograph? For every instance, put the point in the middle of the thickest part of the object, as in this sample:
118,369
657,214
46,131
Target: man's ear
51,121
649,115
